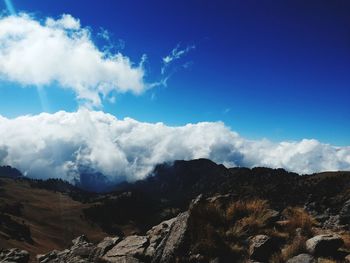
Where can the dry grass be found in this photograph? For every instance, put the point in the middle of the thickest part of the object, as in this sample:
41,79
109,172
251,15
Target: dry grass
298,218
224,230
219,231
326,260
54,218
240,209
246,218
346,238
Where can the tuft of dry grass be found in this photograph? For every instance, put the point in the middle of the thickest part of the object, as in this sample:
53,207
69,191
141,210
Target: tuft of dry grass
291,249
240,209
224,230
246,218
298,218
326,260
346,238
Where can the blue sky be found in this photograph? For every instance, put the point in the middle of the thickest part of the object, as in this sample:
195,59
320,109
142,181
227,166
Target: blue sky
268,69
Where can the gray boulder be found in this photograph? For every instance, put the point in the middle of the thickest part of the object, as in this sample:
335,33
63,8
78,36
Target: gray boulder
104,246
156,234
131,247
173,242
80,252
14,255
344,214
324,245
302,258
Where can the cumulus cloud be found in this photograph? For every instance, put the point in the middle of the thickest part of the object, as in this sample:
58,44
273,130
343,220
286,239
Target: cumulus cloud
35,52
65,144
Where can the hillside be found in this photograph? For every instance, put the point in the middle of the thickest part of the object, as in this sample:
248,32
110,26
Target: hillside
39,216
39,220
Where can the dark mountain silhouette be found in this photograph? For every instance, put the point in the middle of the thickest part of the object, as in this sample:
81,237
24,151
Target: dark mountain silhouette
8,171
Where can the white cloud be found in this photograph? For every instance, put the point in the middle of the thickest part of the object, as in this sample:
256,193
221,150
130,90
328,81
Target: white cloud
40,53
62,144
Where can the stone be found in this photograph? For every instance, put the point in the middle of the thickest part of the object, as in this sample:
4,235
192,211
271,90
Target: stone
105,245
133,246
324,245
174,240
14,255
261,248
124,259
344,214
80,240
156,234
302,258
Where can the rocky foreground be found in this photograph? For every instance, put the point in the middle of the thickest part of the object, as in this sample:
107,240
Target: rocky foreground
217,229
188,211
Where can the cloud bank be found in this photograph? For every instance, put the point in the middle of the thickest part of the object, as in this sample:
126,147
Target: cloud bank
63,144
61,51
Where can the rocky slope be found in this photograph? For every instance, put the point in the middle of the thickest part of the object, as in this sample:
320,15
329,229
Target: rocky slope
242,215
218,229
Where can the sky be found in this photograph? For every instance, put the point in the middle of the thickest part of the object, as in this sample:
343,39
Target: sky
272,72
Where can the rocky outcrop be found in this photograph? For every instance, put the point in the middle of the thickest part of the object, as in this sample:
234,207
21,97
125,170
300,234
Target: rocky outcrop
344,214
302,258
261,248
14,255
156,234
105,245
132,247
173,241
80,251
324,245
160,244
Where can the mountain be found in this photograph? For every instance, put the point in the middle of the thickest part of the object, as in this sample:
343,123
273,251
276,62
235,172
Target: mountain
236,204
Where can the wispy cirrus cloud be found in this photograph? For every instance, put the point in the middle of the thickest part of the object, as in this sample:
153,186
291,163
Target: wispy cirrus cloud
36,52
174,55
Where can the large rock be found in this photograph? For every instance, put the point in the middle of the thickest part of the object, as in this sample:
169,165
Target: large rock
14,255
123,259
104,246
156,234
132,247
324,245
302,258
344,214
80,251
261,248
174,241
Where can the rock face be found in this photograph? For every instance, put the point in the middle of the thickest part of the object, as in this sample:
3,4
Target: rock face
324,245
80,251
131,247
14,255
344,214
160,244
173,241
302,258
156,234
261,248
